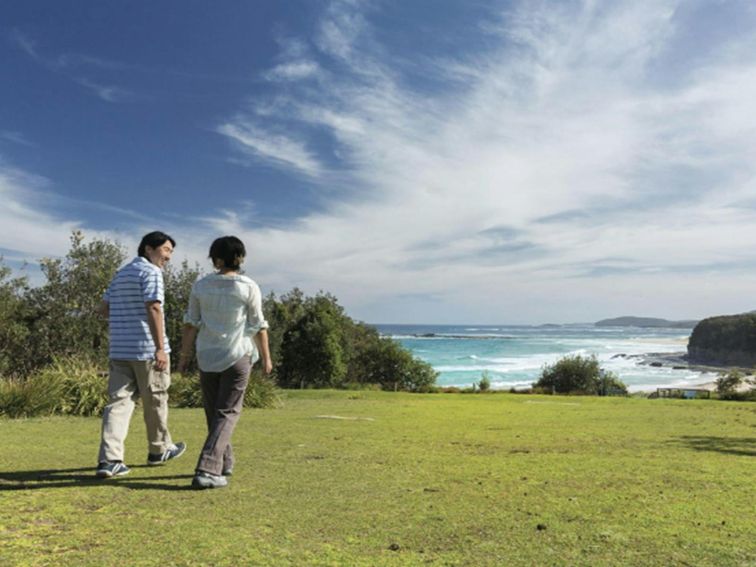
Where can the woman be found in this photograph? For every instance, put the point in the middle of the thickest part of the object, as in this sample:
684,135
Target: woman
225,316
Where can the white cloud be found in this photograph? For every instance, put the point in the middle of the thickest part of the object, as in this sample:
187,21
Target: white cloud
271,147
65,64
293,71
26,228
566,120
108,93
15,138
31,229
25,43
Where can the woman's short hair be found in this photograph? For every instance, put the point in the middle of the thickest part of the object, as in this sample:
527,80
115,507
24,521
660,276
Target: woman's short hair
230,250
153,240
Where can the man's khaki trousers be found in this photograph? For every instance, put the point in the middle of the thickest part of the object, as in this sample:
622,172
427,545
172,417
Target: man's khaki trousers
129,380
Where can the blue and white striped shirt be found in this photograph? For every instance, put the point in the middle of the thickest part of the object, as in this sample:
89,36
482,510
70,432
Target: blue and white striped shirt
134,285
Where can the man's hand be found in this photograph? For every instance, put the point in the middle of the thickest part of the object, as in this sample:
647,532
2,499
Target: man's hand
161,360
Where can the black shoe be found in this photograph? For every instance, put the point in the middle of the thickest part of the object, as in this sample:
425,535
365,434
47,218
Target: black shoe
203,480
173,452
109,469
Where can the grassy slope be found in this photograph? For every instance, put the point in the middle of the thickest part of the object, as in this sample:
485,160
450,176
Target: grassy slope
448,479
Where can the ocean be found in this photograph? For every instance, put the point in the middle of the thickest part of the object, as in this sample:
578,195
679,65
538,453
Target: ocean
513,355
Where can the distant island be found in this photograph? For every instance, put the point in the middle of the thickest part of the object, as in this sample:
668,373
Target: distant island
646,322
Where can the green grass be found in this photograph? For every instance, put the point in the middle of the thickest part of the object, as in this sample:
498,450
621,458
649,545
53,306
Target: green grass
440,479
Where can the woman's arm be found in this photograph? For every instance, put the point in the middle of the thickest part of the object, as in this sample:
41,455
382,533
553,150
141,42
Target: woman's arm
261,340
188,336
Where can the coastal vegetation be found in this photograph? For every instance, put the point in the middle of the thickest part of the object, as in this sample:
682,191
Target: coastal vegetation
394,479
730,386
578,374
54,345
725,340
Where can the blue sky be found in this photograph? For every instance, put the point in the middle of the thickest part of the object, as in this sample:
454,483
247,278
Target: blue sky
425,161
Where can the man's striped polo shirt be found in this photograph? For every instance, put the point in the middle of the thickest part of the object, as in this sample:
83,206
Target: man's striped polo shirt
135,284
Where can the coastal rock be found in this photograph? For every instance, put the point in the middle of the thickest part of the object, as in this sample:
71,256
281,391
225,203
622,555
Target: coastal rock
726,340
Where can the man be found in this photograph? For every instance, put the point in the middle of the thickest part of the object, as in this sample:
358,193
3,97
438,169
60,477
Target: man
139,357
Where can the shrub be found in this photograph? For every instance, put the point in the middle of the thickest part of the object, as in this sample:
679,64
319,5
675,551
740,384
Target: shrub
728,383
69,385
83,388
484,385
728,387
610,385
578,375
185,391
28,398
261,392
385,362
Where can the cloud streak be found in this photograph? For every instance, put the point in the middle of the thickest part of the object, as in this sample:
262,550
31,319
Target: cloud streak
276,149
68,64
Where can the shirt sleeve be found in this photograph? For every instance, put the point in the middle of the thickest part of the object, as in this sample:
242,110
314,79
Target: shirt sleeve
193,316
255,318
152,286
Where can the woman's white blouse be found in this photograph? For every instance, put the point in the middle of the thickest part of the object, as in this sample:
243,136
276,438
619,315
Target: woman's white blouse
227,309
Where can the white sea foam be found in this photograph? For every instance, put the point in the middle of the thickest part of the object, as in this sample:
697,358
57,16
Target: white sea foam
515,356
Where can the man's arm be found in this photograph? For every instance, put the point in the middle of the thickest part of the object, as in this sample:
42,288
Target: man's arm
155,321
188,336
261,340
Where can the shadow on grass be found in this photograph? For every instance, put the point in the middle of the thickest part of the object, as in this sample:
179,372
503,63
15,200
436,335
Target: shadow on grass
745,446
83,477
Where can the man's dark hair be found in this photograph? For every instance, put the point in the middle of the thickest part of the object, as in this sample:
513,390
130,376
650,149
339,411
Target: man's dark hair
154,240
229,249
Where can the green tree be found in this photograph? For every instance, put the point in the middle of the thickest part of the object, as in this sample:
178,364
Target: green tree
386,362
314,343
62,314
281,315
178,283
311,350
13,332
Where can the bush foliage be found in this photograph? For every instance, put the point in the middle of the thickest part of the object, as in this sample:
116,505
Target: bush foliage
578,374
71,385
729,386
186,392
316,345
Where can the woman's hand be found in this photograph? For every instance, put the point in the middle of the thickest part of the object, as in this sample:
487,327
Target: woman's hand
267,366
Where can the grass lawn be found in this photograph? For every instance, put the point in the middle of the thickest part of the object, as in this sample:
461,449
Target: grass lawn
444,479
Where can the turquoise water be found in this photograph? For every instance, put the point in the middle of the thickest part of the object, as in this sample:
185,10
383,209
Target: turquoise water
513,356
